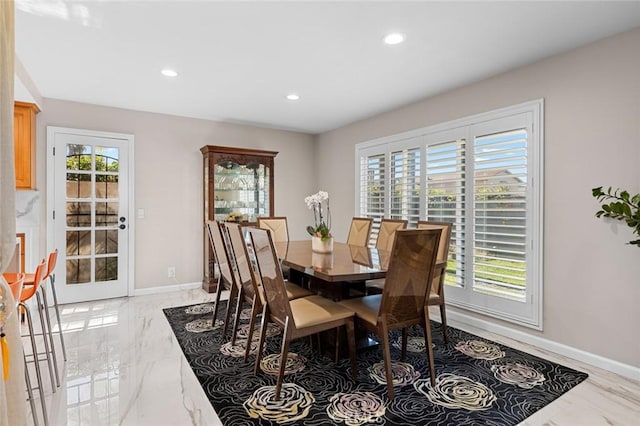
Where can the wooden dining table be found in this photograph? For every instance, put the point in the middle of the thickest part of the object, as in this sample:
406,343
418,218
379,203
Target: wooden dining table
334,275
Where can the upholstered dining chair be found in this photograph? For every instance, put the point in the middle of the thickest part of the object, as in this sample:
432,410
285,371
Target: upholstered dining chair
226,279
386,236
387,232
279,231
360,231
297,318
402,302
250,285
277,225
436,296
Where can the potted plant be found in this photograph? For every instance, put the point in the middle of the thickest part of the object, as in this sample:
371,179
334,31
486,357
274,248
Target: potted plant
321,238
620,205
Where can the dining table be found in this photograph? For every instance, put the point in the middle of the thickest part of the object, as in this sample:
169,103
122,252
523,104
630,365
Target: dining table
336,275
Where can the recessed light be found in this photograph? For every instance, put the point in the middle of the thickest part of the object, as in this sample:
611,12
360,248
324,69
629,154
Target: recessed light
394,38
167,72
293,96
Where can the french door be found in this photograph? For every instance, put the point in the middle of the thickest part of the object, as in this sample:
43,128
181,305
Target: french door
89,193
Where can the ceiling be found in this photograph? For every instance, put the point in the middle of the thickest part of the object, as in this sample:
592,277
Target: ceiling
238,60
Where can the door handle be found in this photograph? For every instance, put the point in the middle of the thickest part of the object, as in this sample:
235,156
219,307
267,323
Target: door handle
122,226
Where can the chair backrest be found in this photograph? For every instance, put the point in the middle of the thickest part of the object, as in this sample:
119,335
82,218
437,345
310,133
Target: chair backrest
246,274
51,263
29,291
359,231
220,252
15,281
275,290
387,232
443,250
409,276
277,225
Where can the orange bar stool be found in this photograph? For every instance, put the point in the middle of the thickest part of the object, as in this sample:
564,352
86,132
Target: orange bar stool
50,345
22,294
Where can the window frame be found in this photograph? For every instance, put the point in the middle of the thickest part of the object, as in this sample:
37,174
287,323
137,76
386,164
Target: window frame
528,115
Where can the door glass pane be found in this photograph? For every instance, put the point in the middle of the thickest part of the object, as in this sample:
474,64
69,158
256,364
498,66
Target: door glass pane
106,186
106,159
78,185
106,214
78,271
78,214
106,241
78,243
106,268
78,157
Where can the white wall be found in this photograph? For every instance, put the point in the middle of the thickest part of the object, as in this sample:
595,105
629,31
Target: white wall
592,138
168,179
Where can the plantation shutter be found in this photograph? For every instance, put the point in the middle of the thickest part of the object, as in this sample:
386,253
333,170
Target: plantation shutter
500,214
373,190
405,185
445,168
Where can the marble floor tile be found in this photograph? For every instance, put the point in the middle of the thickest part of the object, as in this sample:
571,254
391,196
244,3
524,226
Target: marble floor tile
124,367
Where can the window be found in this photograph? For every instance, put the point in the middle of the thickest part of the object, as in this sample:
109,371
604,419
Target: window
483,174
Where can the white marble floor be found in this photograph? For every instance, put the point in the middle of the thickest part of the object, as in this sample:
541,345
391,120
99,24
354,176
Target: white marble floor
125,367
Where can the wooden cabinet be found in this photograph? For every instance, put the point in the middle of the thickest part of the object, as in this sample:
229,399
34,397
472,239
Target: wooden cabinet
238,186
24,137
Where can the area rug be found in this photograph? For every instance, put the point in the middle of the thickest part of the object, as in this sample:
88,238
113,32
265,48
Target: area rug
479,382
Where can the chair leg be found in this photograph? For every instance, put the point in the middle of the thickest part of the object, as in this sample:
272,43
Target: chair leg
46,342
336,356
429,343
32,404
236,320
443,321
52,279
263,334
233,293
36,362
252,324
50,334
284,354
216,303
386,352
351,340
403,353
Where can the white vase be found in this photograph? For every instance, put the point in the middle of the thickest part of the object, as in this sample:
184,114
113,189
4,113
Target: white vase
319,246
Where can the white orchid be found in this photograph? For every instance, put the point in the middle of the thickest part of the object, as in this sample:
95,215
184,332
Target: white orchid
314,202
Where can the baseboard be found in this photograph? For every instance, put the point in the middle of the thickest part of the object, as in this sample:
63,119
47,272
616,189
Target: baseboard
166,288
457,319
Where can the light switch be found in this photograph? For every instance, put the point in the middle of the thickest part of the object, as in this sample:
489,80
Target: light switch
140,213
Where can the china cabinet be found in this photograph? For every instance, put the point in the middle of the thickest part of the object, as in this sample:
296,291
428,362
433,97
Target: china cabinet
238,186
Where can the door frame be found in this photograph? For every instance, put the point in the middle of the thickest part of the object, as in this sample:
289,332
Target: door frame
51,132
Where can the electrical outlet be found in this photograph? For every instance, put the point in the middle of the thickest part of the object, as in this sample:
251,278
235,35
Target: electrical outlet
171,272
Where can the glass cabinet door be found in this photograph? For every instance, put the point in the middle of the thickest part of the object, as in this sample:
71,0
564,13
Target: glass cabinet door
241,191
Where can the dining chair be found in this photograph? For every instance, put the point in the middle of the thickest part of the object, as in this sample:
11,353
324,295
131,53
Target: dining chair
277,225
299,317
402,302
280,232
387,232
384,241
26,294
16,282
226,278
360,231
50,276
436,296
250,286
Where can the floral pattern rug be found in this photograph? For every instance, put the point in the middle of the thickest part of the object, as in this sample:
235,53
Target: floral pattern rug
478,381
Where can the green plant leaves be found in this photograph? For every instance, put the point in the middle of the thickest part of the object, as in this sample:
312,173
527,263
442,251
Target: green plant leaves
622,206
